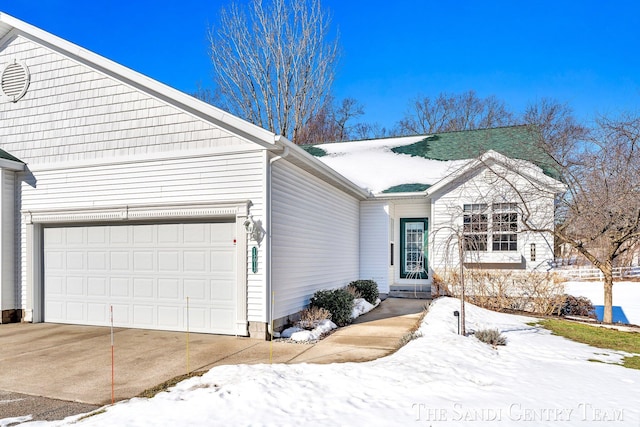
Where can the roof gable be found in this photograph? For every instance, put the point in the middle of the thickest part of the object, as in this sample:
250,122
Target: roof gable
516,142
11,27
494,160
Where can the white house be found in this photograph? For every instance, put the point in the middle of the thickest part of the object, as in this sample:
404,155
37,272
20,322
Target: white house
122,198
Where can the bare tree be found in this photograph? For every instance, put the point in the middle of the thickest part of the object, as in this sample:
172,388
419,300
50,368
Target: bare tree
453,112
332,123
273,62
599,214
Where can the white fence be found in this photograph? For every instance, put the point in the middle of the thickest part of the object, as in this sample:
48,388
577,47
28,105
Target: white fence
594,273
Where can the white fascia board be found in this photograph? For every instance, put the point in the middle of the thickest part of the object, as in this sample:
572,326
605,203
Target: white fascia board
401,196
320,168
11,165
533,173
178,99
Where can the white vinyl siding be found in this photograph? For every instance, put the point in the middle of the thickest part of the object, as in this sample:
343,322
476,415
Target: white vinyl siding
217,178
374,243
447,208
315,239
74,113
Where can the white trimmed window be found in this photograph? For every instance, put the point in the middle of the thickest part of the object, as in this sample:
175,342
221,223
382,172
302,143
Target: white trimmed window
475,227
505,226
495,228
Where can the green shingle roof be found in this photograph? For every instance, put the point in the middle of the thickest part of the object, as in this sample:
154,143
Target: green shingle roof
517,142
407,188
313,150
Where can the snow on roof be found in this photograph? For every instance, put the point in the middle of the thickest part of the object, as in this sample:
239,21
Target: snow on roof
372,165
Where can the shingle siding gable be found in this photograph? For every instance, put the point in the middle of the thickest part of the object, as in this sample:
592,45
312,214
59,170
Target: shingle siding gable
72,112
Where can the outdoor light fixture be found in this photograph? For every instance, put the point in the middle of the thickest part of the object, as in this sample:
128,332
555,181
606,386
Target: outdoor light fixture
254,229
456,313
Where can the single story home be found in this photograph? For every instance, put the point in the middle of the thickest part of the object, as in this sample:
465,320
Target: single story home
123,200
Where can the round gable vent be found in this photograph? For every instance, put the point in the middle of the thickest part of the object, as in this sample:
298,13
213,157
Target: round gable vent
15,80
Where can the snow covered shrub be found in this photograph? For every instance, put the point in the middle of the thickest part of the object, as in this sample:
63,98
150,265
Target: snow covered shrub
339,302
310,317
491,336
577,306
368,289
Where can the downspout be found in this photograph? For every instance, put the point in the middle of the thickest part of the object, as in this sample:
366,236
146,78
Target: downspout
284,154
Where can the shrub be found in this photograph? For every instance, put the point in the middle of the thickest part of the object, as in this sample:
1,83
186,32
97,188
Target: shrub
491,336
339,302
503,290
367,288
440,286
577,306
310,317
354,291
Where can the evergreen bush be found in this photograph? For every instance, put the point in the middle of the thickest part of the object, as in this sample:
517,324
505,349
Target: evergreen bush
367,288
339,302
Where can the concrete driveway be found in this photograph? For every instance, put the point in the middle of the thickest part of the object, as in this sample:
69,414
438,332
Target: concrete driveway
73,363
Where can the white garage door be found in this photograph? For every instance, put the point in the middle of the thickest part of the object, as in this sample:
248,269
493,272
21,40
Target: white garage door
145,272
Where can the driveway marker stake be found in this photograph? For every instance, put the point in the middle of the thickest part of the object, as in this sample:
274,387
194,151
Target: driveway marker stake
188,367
273,301
112,360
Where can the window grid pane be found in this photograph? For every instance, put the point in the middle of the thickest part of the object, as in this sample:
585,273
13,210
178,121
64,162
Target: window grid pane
414,241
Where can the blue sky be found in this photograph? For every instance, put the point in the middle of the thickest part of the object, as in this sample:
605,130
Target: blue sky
585,53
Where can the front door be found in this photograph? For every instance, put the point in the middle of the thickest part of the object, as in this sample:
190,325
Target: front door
413,248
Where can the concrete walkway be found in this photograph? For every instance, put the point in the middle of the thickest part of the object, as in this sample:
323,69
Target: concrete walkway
371,336
73,363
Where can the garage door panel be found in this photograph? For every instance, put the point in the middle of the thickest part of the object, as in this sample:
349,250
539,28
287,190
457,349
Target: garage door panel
195,261
75,286
222,317
145,272
143,315
97,235
169,233
97,260
169,289
222,261
96,287
75,311
196,290
119,287
169,261
98,313
118,235
143,288
119,260
169,317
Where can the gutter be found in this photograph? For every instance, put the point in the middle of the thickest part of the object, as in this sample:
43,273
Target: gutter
279,141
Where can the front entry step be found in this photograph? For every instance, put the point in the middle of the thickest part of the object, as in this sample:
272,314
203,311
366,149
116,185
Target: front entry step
421,292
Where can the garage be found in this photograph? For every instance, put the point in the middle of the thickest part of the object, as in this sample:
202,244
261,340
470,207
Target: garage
151,276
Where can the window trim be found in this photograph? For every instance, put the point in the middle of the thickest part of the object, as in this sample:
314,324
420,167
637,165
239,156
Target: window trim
494,229
425,245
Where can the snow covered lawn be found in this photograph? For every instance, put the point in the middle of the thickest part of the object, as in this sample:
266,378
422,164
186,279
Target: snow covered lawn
439,379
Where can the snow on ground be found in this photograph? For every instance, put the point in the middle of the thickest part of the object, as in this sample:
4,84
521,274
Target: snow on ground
439,379
296,333
625,295
372,164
